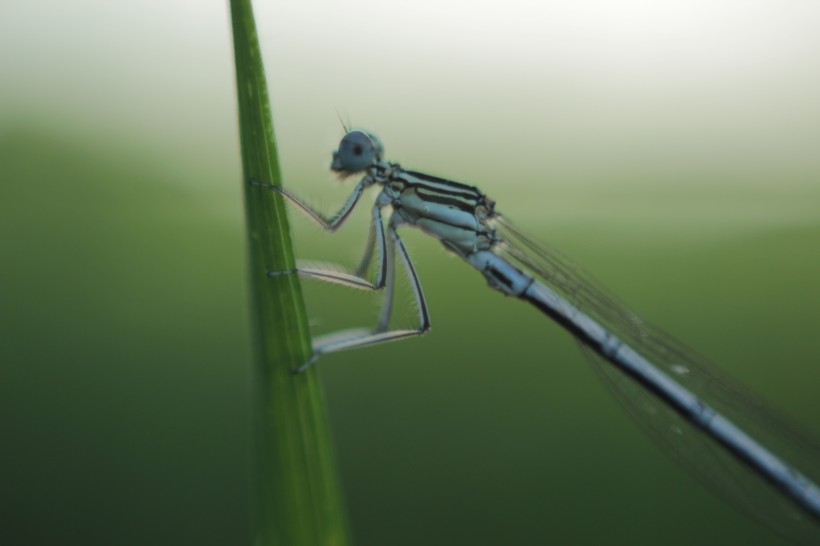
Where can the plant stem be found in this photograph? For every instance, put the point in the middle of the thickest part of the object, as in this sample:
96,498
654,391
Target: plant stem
298,498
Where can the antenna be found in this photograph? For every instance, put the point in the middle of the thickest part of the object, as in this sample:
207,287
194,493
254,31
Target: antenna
338,115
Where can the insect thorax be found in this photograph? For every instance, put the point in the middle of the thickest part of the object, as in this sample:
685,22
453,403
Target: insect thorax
454,213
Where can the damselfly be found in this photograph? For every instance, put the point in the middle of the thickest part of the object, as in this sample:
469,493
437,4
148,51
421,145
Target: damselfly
711,424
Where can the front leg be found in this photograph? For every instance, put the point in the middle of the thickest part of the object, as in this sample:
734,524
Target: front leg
331,223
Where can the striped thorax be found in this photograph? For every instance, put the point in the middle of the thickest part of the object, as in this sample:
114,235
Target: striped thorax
456,214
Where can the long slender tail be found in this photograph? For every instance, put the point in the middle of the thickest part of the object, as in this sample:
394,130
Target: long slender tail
510,280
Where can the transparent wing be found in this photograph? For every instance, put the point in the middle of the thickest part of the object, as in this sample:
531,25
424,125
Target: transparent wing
688,445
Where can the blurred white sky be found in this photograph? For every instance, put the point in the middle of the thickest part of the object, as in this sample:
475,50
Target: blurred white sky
584,83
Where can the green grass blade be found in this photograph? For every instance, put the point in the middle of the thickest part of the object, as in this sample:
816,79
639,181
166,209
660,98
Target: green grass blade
298,498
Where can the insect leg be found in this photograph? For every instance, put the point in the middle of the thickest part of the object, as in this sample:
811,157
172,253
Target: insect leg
355,339
337,274
331,223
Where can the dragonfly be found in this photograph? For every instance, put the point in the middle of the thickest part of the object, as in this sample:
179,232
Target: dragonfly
708,421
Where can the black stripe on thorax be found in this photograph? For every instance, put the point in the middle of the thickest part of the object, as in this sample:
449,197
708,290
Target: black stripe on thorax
440,185
467,204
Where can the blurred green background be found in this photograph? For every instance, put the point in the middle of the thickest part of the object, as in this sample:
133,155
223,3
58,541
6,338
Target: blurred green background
669,147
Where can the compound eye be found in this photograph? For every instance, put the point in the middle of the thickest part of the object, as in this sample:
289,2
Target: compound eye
357,151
